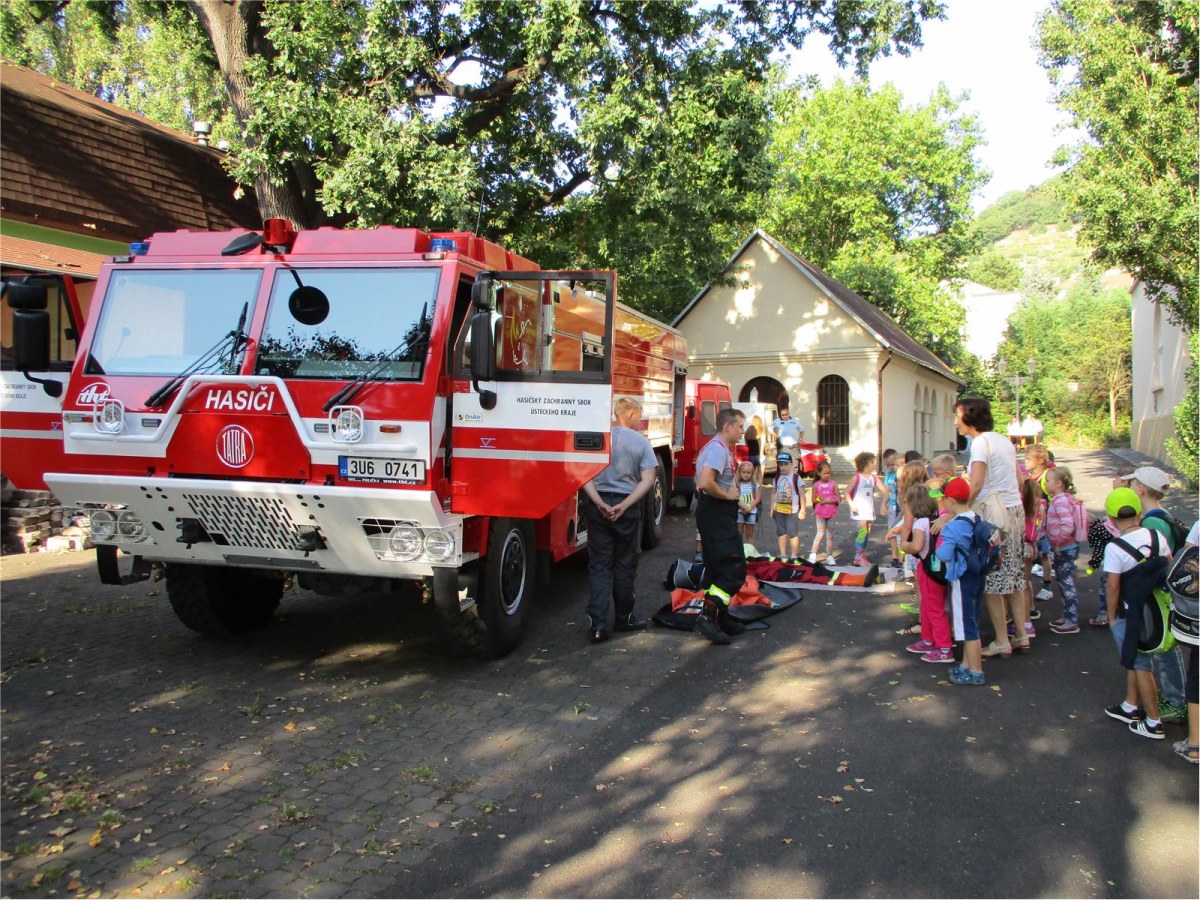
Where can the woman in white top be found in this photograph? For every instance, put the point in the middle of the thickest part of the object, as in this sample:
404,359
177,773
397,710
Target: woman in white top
996,496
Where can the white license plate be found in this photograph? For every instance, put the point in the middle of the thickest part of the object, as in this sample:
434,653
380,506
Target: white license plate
379,470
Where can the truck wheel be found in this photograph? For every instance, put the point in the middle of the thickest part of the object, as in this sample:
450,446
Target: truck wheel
655,510
217,601
502,585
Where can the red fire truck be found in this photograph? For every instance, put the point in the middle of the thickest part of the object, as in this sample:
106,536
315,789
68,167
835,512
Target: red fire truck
347,411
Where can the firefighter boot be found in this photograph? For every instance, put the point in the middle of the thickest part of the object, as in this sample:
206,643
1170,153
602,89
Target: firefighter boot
706,624
729,624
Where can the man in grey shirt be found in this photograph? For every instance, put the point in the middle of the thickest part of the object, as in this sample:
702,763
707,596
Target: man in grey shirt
614,520
716,520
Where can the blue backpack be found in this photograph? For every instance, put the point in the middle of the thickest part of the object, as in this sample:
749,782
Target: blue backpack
983,556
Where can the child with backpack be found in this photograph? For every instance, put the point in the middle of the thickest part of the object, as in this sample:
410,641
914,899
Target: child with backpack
826,496
936,645
1151,483
1127,588
1034,506
1038,463
788,507
860,494
964,585
1062,527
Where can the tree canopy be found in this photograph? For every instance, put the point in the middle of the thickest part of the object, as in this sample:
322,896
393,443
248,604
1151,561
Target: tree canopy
878,194
1126,72
584,132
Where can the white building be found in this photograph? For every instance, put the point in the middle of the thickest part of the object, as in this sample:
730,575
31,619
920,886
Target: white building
1160,359
852,377
987,311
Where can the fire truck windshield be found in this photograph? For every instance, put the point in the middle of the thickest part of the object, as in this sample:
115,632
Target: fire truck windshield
377,327
160,322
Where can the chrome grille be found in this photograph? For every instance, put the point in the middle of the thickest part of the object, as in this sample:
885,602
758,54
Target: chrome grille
261,522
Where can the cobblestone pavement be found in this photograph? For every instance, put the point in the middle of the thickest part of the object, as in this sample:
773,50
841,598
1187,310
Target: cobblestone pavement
341,753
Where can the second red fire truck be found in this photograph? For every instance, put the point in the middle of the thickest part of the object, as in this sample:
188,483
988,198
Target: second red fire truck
346,411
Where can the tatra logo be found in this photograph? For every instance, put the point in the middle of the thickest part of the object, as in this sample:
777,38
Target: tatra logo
94,393
487,443
235,446
241,399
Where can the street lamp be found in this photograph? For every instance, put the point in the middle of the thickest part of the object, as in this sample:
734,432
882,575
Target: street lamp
1017,380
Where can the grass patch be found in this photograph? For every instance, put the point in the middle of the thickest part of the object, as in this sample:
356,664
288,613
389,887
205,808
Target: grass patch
111,818
144,864
422,773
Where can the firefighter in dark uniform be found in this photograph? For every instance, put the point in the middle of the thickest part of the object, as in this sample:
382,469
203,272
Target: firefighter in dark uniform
614,522
716,520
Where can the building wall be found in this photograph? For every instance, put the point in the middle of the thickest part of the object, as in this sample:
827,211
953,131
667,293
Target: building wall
775,322
987,311
1160,359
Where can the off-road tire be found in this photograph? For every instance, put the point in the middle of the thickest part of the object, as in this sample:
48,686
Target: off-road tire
502,584
654,509
218,601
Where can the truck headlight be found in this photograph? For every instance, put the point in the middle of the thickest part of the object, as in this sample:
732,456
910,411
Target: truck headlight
346,424
439,545
405,542
130,527
104,524
109,417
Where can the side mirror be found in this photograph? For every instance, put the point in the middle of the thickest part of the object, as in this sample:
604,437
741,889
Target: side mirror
308,305
691,411
31,332
481,291
483,355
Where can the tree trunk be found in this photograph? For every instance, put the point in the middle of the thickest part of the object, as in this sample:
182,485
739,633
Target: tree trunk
1112,411
235,29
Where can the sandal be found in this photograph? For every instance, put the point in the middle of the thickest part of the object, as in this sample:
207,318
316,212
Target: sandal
1098,623
1004,651
1185,750
1022,645
911,630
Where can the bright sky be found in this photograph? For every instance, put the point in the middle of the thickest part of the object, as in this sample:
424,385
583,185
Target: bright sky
986,50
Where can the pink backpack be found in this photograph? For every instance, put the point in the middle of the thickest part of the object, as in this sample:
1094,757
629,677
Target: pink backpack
1079,515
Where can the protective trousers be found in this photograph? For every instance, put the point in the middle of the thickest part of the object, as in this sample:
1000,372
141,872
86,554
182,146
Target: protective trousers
721,548
613,549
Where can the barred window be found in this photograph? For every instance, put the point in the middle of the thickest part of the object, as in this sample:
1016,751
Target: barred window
833,411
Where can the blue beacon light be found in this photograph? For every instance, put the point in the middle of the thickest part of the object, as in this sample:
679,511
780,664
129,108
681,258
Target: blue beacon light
139,248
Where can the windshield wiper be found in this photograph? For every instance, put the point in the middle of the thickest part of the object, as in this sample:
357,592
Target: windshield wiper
348,393
233,342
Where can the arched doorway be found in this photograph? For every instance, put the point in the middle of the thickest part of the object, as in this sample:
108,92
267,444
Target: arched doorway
769,391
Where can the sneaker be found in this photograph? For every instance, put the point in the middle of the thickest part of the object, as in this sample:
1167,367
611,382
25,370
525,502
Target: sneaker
1169,712
860,560
812,559
896,564
1144,729
1061,627
967,676
909,607
1185,750
1118,712
1029,630
921,646
957,667
938,656
1036,571
1043,595
711,630
831,559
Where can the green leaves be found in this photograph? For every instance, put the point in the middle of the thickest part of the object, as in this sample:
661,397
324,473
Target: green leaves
878,194
1126,72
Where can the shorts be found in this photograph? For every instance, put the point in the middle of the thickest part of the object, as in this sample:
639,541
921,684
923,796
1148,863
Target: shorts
748,518
1143,662
894,518
787,523
756,461
1043,546
964,607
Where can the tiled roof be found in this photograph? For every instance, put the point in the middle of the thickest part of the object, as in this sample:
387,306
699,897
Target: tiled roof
38,256
73,161
877,323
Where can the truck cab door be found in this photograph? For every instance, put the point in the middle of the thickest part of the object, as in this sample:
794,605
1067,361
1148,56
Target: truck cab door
531,408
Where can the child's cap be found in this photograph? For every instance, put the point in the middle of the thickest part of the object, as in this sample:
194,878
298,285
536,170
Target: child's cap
957,489
1152,477
784,457
1123,503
